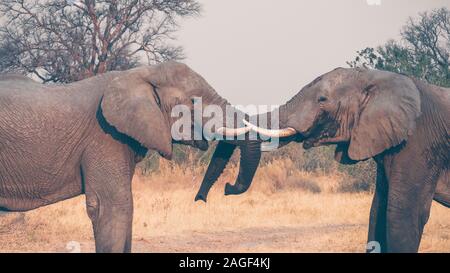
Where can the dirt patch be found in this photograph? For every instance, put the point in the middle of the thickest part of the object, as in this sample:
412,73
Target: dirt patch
283,239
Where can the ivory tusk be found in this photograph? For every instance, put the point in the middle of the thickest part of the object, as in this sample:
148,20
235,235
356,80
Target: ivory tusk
224,131
286,132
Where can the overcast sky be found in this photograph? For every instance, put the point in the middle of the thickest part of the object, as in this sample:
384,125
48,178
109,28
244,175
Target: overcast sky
264,51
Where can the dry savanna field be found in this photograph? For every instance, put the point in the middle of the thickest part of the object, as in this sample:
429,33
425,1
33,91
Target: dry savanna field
284,211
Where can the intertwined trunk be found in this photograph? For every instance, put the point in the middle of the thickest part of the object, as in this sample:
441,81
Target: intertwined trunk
249,159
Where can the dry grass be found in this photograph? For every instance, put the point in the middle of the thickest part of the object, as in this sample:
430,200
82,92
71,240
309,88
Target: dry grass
285,211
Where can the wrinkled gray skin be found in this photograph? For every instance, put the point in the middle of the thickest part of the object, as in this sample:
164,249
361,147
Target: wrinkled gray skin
402,123
60,141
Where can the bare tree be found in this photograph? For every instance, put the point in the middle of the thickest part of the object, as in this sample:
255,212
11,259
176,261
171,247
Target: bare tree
423,52
69,40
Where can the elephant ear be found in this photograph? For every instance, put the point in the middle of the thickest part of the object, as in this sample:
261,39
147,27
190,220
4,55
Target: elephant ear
388,116
133,108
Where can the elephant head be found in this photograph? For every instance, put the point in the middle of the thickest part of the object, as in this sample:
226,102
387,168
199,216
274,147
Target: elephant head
364,112
139,103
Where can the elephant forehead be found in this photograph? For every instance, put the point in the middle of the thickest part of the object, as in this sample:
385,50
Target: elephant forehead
332,81
170,92
191,81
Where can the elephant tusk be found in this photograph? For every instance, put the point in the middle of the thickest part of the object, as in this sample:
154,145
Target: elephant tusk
224,131
286,132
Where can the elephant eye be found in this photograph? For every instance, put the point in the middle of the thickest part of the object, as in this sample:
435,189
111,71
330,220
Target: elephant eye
322,99
157,99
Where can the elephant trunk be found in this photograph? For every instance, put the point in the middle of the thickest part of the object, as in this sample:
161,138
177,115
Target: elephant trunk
219,161
249,160
248,164
251,154
250,157
224,149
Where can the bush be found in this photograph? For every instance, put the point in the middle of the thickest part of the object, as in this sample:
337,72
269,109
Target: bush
305,184
361,177
352,185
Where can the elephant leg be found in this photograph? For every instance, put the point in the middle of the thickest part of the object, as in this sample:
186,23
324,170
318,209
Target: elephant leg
377,222
410,195
111,224
129,238
109,201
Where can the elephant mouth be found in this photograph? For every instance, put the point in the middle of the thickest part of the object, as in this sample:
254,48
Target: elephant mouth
322,133
315,141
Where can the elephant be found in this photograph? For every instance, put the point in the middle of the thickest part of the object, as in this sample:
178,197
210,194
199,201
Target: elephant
399,121
63,140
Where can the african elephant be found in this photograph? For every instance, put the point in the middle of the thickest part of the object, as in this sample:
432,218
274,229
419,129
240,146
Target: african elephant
61,141
400,122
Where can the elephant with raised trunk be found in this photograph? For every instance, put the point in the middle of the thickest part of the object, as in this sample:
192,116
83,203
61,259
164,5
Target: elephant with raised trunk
400,122
60,141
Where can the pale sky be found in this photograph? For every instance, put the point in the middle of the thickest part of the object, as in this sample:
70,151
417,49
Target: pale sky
264,51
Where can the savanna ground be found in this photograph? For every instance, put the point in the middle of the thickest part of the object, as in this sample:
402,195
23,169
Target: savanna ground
286,210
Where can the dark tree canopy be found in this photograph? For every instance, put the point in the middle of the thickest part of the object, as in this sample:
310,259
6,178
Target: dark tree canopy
423,51
69,40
